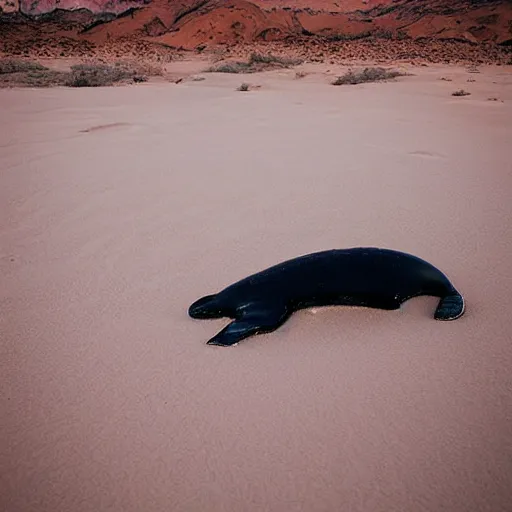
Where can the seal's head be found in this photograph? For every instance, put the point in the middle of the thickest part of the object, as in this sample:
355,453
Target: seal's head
207,307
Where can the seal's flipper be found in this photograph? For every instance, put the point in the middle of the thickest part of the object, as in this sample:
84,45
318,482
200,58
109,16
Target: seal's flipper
254,321
450,307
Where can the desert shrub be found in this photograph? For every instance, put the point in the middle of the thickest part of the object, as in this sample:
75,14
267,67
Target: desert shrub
45,78
461,92
258,58
19,66
98,75
21,73
230,67
386,10
384,34
243,87
17,72
335,38
256,62
141,67
366,75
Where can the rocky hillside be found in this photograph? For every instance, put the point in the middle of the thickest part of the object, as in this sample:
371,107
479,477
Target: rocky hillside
196,23
38,7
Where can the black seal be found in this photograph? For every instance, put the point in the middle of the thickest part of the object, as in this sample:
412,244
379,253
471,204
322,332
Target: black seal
369,277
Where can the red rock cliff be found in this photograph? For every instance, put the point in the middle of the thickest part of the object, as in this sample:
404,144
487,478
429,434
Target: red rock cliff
189,23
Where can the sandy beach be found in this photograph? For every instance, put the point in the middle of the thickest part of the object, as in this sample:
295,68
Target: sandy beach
121,206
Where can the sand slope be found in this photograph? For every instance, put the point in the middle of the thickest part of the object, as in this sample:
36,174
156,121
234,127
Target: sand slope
121,206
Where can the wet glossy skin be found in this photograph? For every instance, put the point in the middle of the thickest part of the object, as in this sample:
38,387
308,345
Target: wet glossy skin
370,277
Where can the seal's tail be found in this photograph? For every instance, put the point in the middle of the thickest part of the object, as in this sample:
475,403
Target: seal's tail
450,307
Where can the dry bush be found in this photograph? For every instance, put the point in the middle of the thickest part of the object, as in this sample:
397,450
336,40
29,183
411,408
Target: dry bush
258,58
231,67
98,75
142,67
43,78
300,74
366,75
334,38
257,62
461,92
243,87
8,66
20,73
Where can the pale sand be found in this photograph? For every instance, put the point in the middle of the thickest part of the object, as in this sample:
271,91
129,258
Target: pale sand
121,206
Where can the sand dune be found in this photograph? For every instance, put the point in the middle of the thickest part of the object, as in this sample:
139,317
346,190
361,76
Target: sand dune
121,206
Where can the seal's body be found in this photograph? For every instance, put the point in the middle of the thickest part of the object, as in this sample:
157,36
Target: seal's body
370,277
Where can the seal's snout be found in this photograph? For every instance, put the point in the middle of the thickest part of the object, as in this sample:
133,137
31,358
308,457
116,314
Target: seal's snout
195,312
199,311
205,308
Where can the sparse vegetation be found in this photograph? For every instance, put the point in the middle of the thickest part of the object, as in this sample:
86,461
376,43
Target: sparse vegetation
230,67
461,92
24,73
400,35
258,58
383,34
243,87
141,67
366,75
444,79
17,72
381,11
97,75
470,80
300,74
257,62
8,66
333,38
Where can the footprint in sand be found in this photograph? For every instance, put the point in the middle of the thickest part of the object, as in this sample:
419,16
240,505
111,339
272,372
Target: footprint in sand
108,126
427,154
